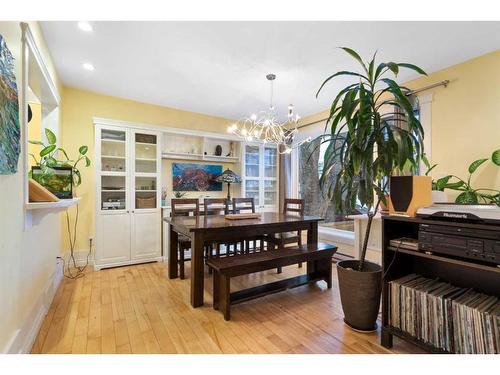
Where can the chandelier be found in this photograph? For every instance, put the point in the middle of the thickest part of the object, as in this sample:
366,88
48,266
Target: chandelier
266,127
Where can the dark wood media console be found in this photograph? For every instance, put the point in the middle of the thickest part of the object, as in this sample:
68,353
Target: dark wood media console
465,273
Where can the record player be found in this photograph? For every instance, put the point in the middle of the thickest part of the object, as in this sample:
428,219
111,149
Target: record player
480,213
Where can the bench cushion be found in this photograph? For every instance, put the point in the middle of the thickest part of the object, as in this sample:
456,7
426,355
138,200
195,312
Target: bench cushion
256,262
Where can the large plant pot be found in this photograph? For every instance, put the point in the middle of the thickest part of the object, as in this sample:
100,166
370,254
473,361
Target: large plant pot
360,293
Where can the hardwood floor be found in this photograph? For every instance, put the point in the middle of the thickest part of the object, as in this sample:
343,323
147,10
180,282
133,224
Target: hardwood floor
137,309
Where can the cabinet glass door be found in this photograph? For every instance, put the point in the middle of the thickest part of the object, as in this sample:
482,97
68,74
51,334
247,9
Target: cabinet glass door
270,161
252,161
113,169
270,192
252,190
146,173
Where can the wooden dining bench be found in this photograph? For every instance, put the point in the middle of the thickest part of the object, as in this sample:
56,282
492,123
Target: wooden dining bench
319,267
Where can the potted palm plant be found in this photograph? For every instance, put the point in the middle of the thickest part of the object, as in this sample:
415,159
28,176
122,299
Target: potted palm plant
373,132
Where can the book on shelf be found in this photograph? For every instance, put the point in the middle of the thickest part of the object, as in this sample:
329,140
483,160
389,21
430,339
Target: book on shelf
454,319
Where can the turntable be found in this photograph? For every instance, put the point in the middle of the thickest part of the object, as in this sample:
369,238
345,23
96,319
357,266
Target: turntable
481,213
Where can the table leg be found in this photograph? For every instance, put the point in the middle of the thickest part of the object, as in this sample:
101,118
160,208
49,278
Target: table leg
197,274
172,254
312,238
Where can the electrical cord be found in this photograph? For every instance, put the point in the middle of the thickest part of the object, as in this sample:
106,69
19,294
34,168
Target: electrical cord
80,270
393,259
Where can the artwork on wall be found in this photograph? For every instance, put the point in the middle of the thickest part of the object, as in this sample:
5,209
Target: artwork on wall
195,177
10,131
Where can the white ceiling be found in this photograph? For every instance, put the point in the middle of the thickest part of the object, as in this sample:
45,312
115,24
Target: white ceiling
219,68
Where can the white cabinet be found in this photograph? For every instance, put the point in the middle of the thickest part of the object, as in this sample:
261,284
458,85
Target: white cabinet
260,175
128,217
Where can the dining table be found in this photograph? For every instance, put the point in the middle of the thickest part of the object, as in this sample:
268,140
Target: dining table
217,228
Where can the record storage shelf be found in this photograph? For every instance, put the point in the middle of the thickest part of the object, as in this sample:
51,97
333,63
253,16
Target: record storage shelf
460,272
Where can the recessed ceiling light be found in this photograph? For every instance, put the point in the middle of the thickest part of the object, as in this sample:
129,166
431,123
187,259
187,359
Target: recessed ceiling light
85,26
88,66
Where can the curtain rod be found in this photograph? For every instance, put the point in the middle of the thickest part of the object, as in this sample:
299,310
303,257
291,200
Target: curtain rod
444,83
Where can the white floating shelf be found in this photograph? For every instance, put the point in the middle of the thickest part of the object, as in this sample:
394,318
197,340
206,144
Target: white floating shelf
227,159
61,205
199,157
181,155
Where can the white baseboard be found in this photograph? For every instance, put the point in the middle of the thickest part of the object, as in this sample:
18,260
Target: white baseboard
24,338
80,258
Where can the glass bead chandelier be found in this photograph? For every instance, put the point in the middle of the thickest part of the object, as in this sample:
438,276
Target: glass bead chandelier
266,127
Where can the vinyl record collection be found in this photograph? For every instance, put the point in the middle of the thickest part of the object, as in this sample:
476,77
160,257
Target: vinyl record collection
458,320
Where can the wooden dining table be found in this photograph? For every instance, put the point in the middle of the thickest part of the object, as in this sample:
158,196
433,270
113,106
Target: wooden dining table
216,228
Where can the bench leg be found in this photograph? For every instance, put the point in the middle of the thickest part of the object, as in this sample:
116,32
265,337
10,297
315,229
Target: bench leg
216,292
324,268
181,262
224,296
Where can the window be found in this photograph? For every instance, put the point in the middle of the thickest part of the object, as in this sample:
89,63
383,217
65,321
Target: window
310,167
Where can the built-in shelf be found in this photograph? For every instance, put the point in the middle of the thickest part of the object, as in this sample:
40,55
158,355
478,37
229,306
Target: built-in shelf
447,259
145,191
145,144
61,205
181,155
113,173
145,159
112,190
227,159
199,157
112,140
112,157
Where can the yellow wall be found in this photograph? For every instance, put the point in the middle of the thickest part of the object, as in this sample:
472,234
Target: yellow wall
465,118
77,129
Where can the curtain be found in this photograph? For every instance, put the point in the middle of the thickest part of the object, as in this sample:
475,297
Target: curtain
285,177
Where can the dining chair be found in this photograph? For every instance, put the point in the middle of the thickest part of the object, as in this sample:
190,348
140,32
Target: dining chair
219,206
184,207
290,207
247,205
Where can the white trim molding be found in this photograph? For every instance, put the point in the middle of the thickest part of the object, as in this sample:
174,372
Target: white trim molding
425,109
28,38
23,339
165,129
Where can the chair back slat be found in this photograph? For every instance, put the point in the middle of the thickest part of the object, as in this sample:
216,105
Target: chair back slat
243,205
293,205
215,206
185,207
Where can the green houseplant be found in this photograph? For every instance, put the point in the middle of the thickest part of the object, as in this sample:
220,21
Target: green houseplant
48,159
373,133
468,194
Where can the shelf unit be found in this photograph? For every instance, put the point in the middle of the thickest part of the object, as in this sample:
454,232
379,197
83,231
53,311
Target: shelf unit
397,263
128,170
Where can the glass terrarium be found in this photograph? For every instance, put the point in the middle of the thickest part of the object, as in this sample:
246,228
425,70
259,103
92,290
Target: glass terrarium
58,180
